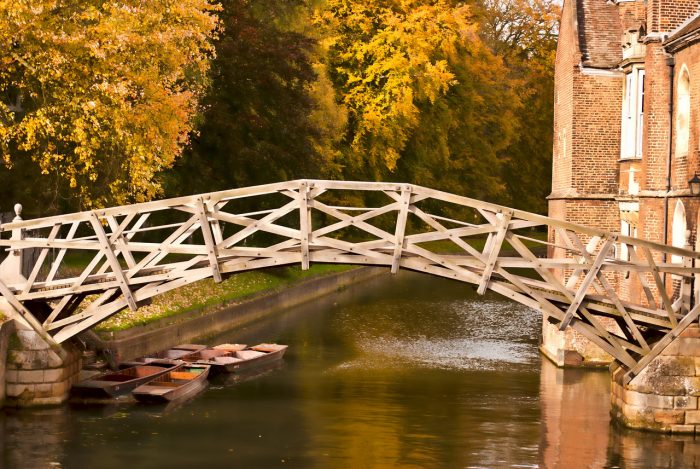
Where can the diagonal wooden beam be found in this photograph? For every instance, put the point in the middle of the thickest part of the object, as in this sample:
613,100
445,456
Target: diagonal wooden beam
586,283
632,250
63,304
400,231
108,251
659,347
178,236
208,240
431,221
59,257
610,292
264,224
503,220
89,310
40,260
585,259
25,316
359,220
660,287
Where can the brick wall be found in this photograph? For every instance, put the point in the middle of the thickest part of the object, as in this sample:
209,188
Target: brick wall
656,119
667,15
684,168
632,14
587,117
567,59
596,133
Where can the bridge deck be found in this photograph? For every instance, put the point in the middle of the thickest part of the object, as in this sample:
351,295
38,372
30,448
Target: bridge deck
129,254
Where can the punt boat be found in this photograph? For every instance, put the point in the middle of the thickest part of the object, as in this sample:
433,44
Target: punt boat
235,361
173,353
115,383
185,381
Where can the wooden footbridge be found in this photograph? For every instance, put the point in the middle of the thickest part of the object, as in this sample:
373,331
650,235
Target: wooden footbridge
127,255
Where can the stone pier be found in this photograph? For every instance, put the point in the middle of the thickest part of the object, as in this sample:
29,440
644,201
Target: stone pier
664,396
34,374
569,348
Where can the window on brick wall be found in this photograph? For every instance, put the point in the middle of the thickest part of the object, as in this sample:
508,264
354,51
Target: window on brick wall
679,236
632,136
682,113
629,219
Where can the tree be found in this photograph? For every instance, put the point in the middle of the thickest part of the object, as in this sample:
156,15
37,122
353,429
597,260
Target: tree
524,33
260,123
99,97
385,59
461,143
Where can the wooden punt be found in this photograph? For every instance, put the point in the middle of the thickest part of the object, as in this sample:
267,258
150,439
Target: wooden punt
184,382
240,360
115,383
173,353
204,355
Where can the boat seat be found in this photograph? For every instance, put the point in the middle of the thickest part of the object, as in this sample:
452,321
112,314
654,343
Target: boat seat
248,354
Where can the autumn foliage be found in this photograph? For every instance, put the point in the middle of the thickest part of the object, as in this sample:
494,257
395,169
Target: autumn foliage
102,95
120,101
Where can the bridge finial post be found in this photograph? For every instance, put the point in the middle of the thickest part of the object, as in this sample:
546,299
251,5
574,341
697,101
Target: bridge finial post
11,267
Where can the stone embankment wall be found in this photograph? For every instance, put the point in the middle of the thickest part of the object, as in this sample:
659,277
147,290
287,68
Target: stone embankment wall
7,328
664,396
35,374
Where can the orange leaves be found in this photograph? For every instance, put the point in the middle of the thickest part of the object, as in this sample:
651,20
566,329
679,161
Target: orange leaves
103,94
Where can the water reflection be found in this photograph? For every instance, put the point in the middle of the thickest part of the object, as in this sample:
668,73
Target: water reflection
575,416
639,450
34,438
403,372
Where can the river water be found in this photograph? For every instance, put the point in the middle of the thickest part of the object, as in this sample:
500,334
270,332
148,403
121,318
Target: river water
402,371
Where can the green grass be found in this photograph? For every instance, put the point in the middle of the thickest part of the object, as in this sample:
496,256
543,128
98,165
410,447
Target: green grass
448,247
206,294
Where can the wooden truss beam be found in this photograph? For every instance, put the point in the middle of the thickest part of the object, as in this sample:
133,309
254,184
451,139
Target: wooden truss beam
136,256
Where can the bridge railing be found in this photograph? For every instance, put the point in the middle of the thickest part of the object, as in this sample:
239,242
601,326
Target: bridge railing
109,259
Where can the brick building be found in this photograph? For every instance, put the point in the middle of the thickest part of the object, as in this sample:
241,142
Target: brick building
626,130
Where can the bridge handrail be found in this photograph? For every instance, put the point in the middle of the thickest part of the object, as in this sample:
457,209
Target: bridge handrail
572,287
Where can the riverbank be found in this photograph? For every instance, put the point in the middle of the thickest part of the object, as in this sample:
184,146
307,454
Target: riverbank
220,313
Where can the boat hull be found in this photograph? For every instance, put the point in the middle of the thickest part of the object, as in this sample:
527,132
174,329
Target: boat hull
179,384
113,384
239,362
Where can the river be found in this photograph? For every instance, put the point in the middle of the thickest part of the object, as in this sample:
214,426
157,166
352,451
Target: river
404,371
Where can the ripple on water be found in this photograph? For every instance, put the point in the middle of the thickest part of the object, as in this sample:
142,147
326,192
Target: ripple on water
472,334
457,354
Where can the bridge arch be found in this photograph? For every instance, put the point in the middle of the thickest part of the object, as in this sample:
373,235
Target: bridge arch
135,252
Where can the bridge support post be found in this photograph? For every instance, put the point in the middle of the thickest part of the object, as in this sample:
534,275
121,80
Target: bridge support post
569,348
36,370
664,396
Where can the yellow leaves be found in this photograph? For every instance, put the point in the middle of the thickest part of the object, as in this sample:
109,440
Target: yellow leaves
389,56
112,88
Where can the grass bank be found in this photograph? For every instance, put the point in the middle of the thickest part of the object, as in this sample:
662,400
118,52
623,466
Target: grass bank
206,293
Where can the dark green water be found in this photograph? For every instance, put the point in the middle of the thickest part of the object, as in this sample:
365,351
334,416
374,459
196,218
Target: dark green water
408,371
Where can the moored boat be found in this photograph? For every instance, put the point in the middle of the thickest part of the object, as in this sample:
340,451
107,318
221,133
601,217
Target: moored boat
239,360
173,353
181,383
115,383
203,355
